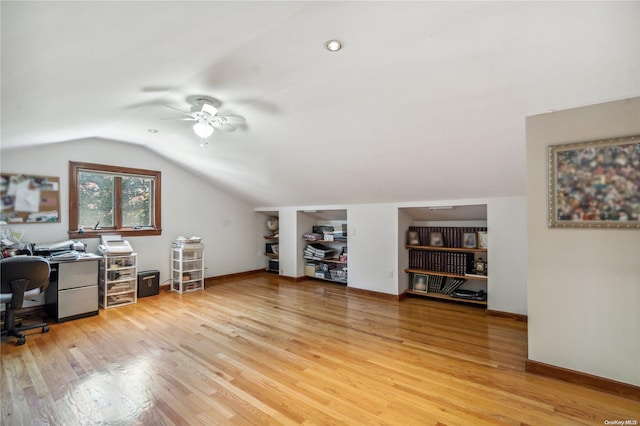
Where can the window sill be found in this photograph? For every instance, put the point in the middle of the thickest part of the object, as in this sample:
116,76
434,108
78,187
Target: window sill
126,232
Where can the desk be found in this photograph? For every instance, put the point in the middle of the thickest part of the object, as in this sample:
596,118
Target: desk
73,289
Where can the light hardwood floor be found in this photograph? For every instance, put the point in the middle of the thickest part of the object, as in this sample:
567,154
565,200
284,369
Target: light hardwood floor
260,350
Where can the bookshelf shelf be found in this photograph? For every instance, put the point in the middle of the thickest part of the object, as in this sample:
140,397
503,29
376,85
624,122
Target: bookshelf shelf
339,262
446,297
328,279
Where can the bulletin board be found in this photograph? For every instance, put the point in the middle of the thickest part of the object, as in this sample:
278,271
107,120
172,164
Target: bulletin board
29,198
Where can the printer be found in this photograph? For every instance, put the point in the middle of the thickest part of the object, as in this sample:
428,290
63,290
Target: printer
113,244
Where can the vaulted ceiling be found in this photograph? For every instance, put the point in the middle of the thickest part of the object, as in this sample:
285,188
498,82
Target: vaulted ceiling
426,100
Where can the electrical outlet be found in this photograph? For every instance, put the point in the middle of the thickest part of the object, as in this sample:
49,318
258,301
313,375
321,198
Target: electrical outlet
390,273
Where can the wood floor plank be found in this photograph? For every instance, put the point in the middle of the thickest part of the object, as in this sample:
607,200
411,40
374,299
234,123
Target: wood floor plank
260,350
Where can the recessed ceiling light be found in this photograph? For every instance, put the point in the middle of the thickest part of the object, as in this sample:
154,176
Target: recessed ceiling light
152,130
333,45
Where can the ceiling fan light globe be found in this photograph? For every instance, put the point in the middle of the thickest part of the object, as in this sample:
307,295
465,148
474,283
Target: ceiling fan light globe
333,45
203,129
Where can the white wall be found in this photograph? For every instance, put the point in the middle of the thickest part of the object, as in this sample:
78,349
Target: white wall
583,284
507,255
373,248
304,223
190,206
287,241
404,222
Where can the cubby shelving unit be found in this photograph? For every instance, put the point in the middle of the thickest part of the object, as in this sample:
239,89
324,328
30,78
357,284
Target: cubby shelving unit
445,253
333,268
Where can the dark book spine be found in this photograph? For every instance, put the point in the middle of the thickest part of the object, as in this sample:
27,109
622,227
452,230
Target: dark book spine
424,236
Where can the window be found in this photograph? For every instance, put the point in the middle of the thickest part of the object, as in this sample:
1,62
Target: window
111,199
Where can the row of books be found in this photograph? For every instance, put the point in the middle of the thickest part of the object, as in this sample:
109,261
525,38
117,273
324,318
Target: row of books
434,283
318,252
450,236
451,285
437,283
453,263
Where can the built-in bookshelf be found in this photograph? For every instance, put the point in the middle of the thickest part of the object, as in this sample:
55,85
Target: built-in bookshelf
448,263
326,251
272,242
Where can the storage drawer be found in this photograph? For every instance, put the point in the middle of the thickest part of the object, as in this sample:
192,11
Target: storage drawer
77,301
120,287
77,274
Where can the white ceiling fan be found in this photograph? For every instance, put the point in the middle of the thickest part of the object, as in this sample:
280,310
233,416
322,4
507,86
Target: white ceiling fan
207,119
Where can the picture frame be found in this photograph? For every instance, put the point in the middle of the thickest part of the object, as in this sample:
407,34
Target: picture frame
413,238
594,184
483,239
469,240
435,239
420,282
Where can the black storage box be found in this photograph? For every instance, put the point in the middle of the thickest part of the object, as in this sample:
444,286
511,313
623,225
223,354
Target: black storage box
148,283
274,265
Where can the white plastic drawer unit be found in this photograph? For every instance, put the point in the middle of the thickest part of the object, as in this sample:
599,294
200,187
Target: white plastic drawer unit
77,274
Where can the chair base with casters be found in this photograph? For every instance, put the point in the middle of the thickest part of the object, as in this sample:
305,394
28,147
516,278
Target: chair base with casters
23,277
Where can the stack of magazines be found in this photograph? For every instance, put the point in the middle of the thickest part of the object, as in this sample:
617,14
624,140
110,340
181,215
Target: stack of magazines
318,252
312,236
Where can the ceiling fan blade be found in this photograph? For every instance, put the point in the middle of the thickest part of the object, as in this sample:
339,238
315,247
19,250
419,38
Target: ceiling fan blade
218,123
184,112
228,128
181,119
232,119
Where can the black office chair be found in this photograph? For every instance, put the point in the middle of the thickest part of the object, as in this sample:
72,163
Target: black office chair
22,277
